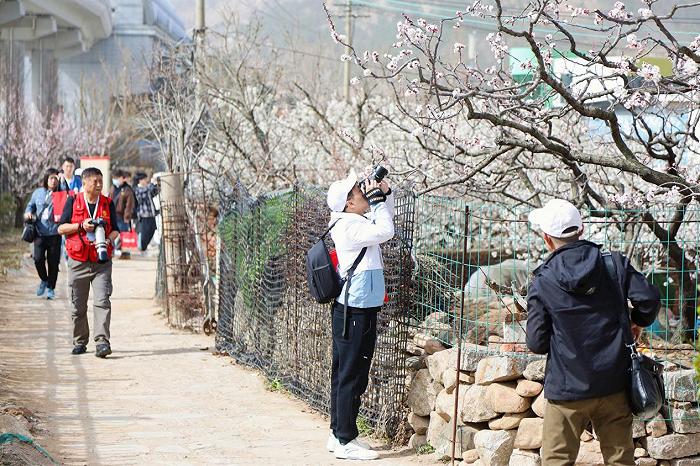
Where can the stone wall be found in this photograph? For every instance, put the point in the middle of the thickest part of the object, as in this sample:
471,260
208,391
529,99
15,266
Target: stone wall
500,405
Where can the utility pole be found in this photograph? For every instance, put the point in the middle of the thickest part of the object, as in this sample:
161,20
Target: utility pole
199,58
346,69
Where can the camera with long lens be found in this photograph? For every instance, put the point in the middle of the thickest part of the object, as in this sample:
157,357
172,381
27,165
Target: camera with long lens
100,240
378,174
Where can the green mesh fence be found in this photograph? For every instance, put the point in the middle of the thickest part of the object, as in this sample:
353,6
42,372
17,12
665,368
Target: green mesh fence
474,264
267,318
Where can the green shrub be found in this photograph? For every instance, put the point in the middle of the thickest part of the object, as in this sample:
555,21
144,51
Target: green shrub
425,449
7,210
364,428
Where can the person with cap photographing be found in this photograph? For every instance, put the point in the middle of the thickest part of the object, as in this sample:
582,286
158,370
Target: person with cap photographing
572,318
354,323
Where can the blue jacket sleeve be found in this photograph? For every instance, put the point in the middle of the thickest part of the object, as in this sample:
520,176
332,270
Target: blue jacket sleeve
31,205
645,297
539,322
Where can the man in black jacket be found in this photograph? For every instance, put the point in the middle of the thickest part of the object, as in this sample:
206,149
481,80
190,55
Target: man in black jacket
574,317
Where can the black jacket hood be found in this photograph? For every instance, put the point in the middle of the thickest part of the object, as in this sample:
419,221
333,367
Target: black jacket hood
577,267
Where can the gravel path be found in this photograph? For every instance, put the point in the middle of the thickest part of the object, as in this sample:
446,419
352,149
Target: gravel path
161,398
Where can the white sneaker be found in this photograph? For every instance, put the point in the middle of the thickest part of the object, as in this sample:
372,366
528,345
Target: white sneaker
354,451
333,442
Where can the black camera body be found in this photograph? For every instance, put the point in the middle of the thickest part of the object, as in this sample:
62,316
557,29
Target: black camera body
378,174
100,239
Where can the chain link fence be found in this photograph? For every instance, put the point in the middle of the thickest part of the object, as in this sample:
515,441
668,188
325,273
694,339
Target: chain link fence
268,320
487,254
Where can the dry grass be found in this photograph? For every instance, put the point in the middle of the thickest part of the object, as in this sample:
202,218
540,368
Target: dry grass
12,248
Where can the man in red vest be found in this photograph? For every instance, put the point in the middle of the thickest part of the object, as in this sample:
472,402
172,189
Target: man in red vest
81,213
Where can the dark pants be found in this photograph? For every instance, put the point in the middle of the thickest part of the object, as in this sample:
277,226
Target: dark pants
47,249
352,357
123,225
146,229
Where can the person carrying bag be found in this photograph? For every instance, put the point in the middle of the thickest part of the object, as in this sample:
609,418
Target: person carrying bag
574,317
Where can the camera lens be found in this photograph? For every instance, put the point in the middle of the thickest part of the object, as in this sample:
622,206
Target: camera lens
379,173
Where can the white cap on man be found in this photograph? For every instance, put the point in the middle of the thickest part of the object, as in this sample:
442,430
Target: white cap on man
558,218
338,192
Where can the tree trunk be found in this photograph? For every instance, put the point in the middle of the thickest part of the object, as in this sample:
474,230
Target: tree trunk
19,211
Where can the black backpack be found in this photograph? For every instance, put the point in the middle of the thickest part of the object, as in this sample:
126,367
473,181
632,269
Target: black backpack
324,282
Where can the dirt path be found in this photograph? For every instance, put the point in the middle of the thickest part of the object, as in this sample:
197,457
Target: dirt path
161,398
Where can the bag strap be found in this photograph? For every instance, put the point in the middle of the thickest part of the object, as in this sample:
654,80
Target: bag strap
325,233
348,281
625,320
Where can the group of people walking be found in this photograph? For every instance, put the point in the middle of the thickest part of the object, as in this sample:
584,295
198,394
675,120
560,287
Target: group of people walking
70,225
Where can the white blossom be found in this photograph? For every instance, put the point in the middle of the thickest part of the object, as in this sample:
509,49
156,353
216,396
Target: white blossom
458,46
645,13
650,72
633,43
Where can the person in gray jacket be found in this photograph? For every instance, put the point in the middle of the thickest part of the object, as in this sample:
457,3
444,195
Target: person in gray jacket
47,245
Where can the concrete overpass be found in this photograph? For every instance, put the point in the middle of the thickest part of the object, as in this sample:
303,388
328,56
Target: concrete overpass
56,49
67,27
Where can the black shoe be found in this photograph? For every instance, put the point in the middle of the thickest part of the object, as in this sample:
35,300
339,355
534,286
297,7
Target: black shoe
79,349
103,350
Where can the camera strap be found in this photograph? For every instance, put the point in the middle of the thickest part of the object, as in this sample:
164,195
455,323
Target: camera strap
87,206
91,234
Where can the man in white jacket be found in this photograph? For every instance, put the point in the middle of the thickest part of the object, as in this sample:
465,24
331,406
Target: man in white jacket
355,331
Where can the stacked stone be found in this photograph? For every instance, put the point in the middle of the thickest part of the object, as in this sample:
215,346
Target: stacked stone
501,407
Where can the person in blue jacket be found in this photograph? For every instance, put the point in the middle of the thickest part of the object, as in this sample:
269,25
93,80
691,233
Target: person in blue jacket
47,245
573,318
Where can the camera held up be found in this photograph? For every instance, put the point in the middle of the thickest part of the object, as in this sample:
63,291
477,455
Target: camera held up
378,174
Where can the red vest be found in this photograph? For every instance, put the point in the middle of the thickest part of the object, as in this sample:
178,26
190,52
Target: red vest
78,246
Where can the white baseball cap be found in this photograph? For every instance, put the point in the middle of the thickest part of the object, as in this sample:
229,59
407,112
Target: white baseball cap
556,217
338,192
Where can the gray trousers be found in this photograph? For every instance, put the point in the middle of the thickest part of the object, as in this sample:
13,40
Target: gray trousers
80,276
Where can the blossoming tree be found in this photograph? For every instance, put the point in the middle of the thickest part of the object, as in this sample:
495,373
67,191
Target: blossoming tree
609,126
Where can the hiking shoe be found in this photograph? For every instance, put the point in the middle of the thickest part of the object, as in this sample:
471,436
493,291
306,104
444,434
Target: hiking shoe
333,442
41,289
354,451
79,349
50,294
103,350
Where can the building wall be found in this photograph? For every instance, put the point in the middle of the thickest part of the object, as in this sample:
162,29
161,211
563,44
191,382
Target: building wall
119,64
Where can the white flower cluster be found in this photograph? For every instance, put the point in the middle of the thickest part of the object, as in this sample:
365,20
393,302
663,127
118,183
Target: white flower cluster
650,73
578,11
633,42
645,13
458,47
498,45
687,66
619,12
478,9
695,44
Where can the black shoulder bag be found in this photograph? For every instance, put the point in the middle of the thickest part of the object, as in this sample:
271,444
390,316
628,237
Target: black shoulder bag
29,230
646,389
